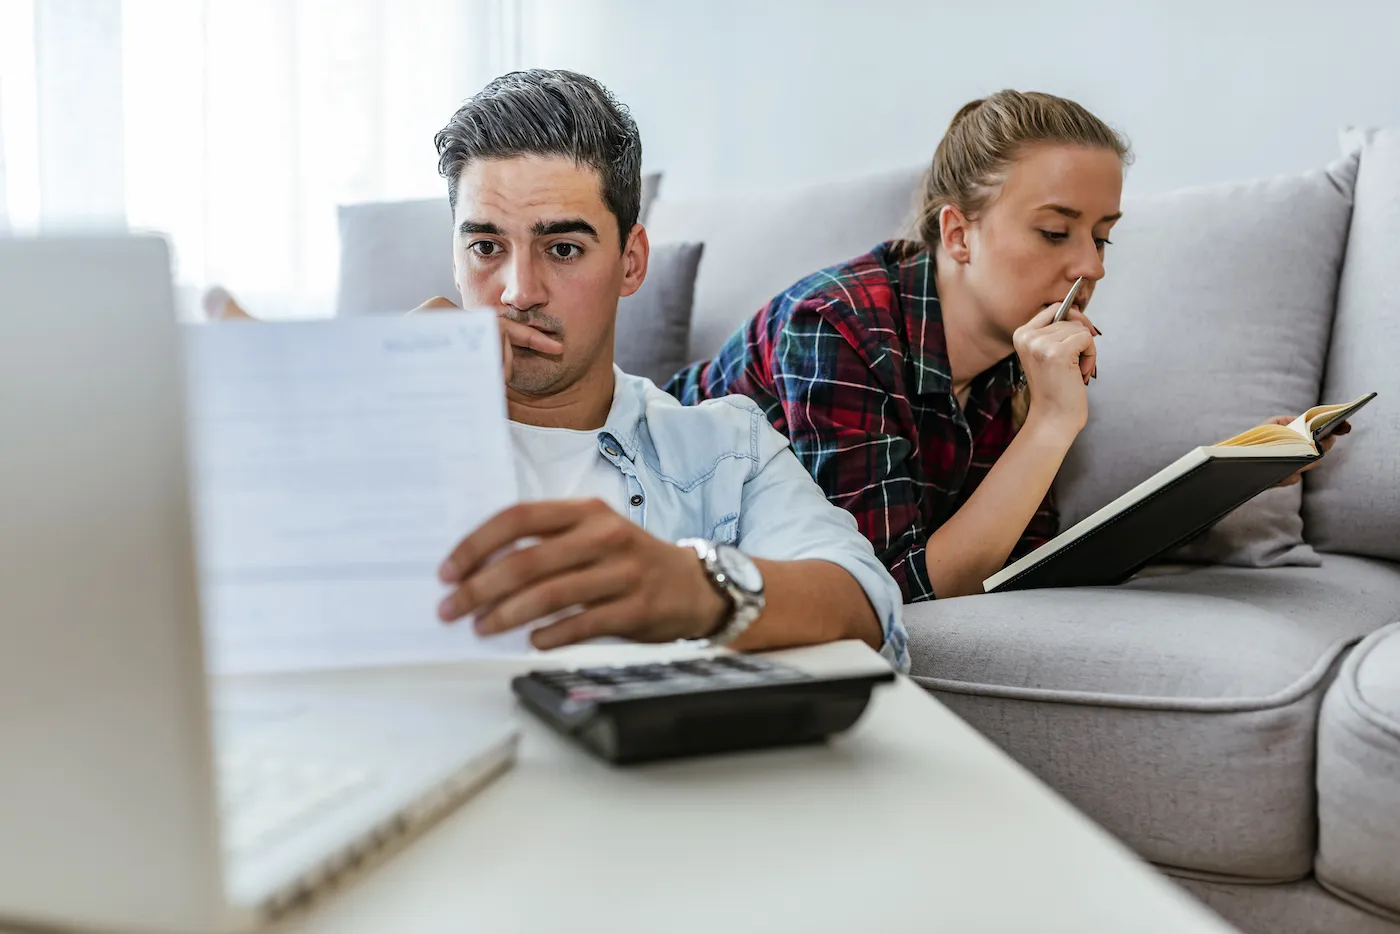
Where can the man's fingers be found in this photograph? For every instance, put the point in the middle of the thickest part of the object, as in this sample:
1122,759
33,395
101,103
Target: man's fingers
437,303
522,568
583,588
605,619
506,528
522,335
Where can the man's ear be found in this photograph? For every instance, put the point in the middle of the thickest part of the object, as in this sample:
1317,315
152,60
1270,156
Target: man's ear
953,230
634,260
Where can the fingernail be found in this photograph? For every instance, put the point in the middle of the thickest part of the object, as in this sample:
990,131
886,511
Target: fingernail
447,572
445,610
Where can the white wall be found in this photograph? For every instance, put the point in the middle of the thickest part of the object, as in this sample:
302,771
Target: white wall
735,95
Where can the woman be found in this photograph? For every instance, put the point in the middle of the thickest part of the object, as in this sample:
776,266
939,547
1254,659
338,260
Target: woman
924,384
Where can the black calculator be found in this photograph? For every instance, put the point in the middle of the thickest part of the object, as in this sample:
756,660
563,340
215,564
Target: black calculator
639,713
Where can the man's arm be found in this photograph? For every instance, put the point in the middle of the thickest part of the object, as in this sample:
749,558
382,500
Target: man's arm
848,428
823,578
631,583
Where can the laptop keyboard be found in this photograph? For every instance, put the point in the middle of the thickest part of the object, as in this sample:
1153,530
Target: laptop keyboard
263,798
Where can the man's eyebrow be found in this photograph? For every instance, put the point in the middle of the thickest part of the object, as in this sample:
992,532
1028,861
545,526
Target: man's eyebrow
469,227
1075,215
555,228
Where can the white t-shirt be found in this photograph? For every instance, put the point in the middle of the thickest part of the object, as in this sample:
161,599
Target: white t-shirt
560,463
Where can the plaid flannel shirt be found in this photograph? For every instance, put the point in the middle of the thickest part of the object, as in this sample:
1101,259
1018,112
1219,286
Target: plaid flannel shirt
851,364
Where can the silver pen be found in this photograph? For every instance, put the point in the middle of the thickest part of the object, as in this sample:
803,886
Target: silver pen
1064,305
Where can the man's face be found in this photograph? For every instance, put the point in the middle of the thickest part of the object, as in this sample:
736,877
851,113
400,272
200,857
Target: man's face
534,241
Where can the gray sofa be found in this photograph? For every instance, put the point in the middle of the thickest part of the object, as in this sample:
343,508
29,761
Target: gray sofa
1232,714
1222,714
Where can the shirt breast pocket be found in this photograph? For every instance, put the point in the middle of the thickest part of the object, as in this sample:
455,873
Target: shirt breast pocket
710,504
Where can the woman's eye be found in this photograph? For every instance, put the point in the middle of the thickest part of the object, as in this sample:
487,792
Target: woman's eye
1054,236
485,248
1102,242
566,250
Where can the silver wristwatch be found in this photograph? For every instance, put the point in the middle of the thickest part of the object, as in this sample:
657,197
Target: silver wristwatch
737,579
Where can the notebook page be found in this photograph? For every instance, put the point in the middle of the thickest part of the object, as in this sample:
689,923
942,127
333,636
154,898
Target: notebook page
336,463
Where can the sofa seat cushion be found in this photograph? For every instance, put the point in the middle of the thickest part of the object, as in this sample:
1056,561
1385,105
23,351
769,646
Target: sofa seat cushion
1179,710
1358,776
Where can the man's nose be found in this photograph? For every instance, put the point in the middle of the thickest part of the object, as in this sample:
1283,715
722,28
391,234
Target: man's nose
523,287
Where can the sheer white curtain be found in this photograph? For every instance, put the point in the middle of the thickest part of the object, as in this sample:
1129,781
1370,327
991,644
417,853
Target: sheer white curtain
235,126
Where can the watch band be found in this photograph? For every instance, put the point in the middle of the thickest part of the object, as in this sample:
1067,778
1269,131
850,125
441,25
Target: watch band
744,605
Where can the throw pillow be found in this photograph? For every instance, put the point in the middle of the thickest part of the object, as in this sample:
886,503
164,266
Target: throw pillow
653,324
1216,314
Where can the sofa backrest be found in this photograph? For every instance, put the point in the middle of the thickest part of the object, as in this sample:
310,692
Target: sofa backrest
757,246
1352,500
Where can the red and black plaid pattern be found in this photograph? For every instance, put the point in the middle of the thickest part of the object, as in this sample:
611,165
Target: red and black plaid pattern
851,364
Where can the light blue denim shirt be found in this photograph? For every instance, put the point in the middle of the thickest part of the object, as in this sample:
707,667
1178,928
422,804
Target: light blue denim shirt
719,470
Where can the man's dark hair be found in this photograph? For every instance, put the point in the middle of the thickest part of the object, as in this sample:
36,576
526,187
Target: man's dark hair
544,112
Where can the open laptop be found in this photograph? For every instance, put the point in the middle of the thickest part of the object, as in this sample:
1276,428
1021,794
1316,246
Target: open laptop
129,801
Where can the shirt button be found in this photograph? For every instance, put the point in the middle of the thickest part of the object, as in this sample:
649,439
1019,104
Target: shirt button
636,499
610,451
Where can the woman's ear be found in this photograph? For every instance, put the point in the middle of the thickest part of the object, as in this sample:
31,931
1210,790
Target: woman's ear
953,229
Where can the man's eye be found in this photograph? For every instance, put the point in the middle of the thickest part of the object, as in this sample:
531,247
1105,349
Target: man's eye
485,248
1054,236
566,251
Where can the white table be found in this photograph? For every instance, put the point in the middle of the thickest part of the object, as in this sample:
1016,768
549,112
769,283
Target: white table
910,822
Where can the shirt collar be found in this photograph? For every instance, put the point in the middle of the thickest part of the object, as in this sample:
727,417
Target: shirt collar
625,415
913,268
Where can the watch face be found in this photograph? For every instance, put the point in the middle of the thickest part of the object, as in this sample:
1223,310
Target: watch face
738,568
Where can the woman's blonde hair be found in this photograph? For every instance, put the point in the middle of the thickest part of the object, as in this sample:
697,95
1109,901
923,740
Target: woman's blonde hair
985,137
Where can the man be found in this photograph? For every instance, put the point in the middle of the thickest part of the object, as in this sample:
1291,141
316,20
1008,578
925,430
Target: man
642,518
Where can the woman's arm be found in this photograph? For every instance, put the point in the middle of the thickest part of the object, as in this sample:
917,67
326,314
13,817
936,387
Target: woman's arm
976,541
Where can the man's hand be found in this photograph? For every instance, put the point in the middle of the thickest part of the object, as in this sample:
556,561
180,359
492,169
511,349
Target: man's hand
513,334
1324,445
624,580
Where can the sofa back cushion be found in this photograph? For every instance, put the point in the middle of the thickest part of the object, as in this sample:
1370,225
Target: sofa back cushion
757,246
1215,315
1352,499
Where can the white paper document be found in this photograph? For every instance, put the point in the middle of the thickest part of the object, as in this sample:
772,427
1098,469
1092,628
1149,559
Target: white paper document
336,463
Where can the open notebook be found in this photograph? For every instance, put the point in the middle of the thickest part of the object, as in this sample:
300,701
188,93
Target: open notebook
1175,504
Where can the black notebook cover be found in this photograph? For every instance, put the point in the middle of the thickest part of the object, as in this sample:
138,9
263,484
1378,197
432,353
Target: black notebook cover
1119,548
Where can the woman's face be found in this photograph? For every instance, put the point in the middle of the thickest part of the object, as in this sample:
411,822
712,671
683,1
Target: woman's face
1047,225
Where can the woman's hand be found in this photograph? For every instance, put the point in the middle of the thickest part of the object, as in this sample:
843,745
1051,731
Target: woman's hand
1059,359
1324,445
